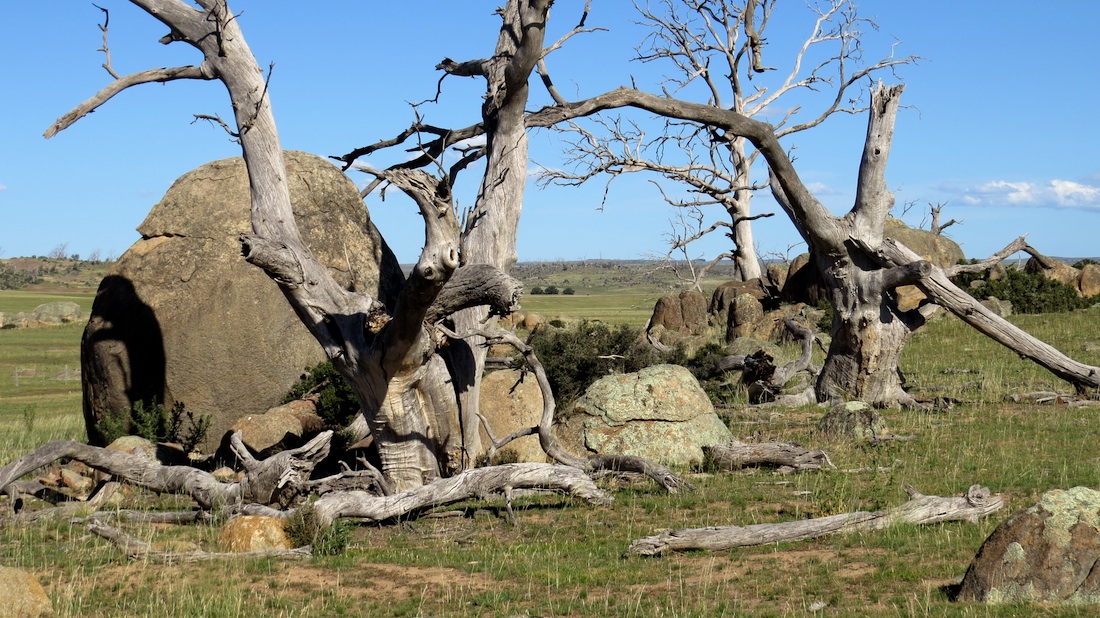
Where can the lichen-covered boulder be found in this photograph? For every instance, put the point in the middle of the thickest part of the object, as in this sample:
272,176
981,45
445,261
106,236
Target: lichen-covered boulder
182,317
1046,553
659,413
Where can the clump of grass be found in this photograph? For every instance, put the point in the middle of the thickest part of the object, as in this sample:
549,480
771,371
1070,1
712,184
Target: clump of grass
305,528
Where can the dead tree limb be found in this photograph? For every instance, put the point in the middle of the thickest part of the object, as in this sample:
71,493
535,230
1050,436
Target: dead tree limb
735,455
475,483
269,481
976,503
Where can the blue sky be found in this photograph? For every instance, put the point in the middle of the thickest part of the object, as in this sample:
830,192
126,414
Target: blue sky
1000,119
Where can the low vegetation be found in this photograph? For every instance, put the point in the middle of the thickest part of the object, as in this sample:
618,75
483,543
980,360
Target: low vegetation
564,558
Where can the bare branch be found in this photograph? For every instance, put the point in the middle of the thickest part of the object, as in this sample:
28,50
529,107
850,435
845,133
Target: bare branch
117,86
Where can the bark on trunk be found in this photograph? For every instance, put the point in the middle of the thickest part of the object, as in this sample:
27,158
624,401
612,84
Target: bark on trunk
490,234
976,503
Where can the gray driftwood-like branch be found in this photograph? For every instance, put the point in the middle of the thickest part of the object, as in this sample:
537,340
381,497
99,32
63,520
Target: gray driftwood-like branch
265,482
976,503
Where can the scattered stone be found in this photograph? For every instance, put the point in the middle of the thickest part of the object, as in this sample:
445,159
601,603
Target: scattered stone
253,533
852,420
1002,308
58,313
1046,553
21,596
135,445
659,413
745,313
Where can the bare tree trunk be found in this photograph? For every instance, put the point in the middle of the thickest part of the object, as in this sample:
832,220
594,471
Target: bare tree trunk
748,262
490,234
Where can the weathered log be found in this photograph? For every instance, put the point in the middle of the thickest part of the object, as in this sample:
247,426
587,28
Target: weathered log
266,482
735,455
476,483
976,503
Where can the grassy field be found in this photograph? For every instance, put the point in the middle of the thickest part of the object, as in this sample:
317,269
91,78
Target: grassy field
564,558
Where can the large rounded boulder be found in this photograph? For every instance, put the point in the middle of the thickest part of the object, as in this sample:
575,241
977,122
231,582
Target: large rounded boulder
1047,553
659,413
182,317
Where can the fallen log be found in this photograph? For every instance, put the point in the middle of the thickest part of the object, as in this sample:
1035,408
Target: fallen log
976,503
270,481
475,483
735,455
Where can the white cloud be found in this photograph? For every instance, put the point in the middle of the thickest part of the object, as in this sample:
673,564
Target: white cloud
1055,193
3,187
1076,194
820,188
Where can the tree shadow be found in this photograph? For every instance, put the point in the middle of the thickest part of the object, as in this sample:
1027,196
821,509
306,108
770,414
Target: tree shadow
121,355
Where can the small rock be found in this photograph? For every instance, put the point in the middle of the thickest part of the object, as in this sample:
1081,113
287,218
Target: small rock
852,420
253,533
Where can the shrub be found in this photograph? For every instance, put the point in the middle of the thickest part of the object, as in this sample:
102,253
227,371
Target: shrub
1085,262
569,291
337,405
10,279
576,357
1029,292
550,289
536,291
152,422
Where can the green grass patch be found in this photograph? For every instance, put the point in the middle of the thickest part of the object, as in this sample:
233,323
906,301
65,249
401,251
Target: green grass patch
564,557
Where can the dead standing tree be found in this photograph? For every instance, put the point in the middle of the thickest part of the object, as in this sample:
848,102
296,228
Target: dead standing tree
861,269
392,366
716,53
408,391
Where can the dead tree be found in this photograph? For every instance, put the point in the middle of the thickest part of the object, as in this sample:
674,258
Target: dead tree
714,51
861,269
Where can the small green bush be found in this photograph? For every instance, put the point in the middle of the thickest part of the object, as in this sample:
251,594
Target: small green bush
1028,292
337,405
536,291
569,291
152,422
550,290
576,357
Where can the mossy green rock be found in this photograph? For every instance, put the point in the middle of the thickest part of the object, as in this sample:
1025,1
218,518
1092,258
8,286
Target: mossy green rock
659,413
1045,553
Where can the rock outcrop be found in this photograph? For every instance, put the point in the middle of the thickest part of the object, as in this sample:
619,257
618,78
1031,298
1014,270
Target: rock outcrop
182,317
510,401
